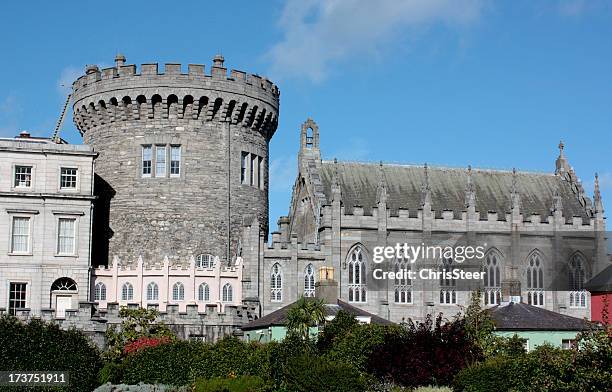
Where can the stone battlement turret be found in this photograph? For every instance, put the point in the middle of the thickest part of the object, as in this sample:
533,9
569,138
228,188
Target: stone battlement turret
121,93
183,157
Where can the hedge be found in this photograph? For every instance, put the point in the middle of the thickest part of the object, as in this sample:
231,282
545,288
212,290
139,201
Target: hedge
40,346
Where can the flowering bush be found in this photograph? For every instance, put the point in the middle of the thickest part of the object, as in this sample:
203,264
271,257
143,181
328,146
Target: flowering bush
144,342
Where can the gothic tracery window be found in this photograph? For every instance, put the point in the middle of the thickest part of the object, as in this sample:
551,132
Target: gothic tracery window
448,294
276,283
402,287
309,281
577,295
357,275
535,280
492,279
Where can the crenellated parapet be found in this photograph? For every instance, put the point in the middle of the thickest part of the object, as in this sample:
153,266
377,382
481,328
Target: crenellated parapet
125,93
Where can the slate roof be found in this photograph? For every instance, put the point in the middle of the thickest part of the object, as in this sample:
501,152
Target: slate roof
279,317
601,283
524,317
359,182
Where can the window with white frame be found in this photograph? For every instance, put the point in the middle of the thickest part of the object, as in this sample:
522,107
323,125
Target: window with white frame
276,283
357,275
205,261
100,292
23,176
492,279
178,292
152,291
66,233
309,281
448,293
535,280
147,159
175,161
160,161
254,169
402,287
68,178
17,296
204,292
227,293
577,294
127,292
20,234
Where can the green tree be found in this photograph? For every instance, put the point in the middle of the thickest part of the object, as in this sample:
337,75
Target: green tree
135,324
306,313
479,325
341,325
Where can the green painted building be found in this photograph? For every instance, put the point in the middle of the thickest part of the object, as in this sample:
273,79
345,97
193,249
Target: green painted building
537,325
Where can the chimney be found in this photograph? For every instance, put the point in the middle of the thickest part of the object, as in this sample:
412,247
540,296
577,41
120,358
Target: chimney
326,289
119,60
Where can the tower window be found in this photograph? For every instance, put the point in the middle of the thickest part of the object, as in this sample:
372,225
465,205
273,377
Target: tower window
175,160
243,167
160,161
146,161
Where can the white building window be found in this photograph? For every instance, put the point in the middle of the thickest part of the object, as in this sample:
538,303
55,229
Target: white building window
100,292
66,236
68,178
309,281
152,292
492,279
254,170
23,176
146,161
160,161
535,280
357,276
205,261
448,294
403,286
204,292
178,292
577,295
227,293
127,292
175,161
276,283
17,296
20,235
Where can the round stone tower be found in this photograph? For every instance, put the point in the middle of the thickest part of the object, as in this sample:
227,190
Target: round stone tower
183,157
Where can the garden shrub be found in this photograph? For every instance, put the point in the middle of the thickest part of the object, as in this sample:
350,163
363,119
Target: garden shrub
309,372
356,346
44,346
233,384
492,375
427,353
335,329
108,387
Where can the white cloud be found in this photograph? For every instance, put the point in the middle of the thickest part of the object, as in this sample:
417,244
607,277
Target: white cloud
321,33
283,171
68,75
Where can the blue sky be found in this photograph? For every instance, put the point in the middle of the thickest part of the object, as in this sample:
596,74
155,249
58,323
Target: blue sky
448,82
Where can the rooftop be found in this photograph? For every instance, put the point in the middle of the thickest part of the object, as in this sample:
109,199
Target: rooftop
524,317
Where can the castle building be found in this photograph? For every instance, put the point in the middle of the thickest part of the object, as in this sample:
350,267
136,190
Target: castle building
180,216
46,200
542,238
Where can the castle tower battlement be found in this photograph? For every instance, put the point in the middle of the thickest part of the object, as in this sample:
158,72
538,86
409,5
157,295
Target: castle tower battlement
183,157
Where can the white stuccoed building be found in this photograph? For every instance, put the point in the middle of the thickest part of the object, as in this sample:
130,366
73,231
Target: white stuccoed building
46,202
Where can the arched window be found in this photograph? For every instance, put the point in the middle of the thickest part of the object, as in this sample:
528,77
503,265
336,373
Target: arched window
276,283
309,281
535,280
64,284
227,293
100,292
127,292
403,286
448,294
205,261
152,292
204,292
577,295
357,275
178,292
492,278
